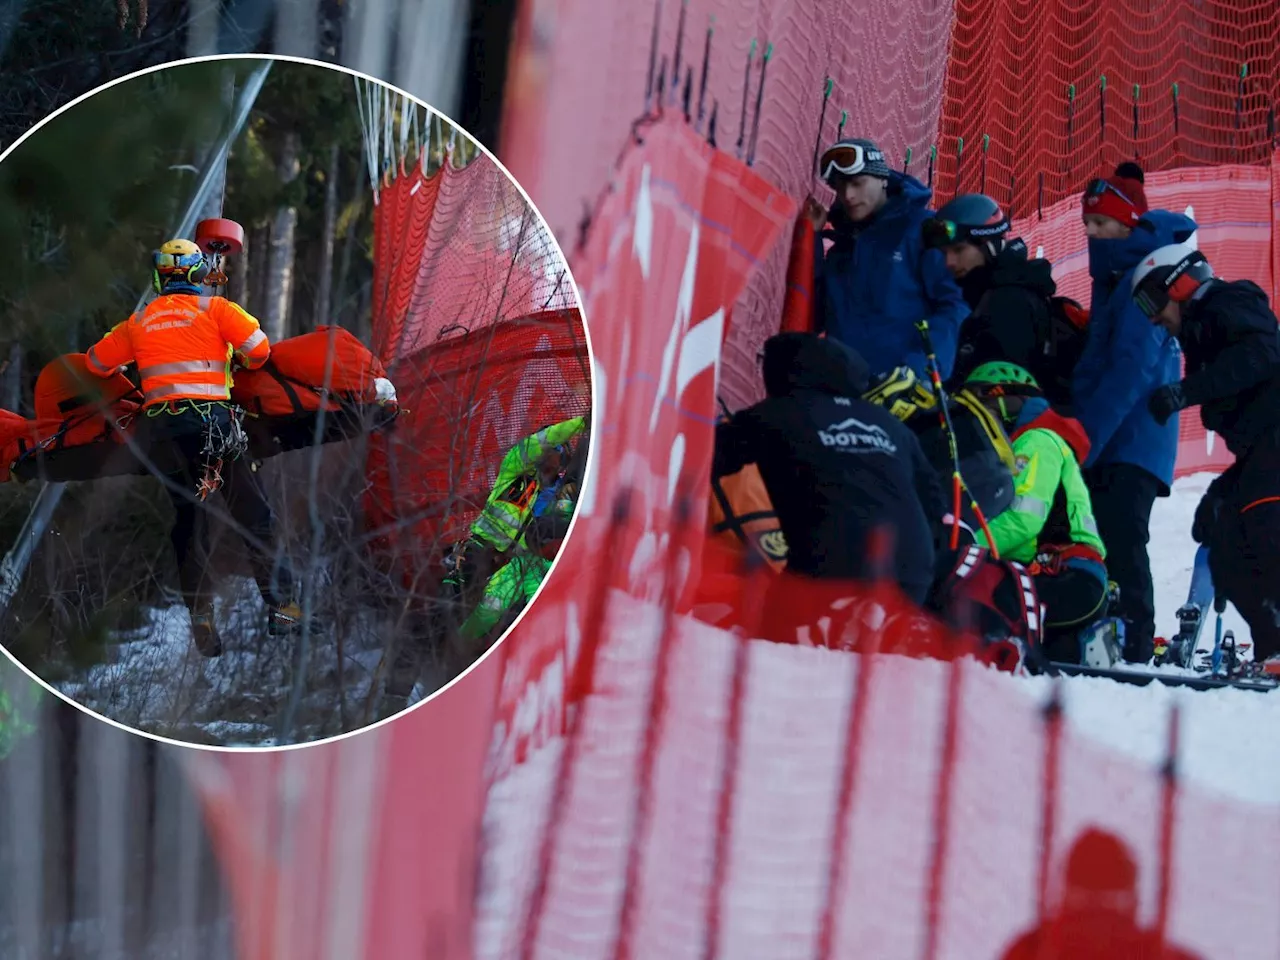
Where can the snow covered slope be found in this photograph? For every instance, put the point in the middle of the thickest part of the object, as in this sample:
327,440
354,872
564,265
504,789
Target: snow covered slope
785,786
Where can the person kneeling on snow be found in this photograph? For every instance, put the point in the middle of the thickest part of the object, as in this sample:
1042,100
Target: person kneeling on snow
836,466
1231,342
1049,527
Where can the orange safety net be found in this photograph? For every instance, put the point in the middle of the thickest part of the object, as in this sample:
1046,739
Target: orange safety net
475,318
456,251
1014,64
469,399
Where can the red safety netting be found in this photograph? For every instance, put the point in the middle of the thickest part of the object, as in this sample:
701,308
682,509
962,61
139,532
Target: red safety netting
326,850
469,398
1234,208
475,316
676,241
1012,64
661,787
589,61
733,798
457,251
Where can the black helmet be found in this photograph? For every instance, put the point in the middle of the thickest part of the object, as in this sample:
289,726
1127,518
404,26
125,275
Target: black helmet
969,218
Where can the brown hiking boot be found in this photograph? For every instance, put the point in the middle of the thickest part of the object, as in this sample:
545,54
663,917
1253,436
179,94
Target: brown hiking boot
205,633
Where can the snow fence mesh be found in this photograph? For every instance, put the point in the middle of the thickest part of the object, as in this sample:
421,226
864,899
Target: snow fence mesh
940,851
590,61
477,320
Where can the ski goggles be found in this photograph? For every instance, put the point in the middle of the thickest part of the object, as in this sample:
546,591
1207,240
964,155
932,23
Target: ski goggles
943,233
1151,299
849,160
1159,287
1098,187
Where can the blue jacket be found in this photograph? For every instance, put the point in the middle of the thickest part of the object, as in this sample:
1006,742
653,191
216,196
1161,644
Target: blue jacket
877,282
1127,357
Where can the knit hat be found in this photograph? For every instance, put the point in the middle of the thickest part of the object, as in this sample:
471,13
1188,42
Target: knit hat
1120,196
1099,862
854,157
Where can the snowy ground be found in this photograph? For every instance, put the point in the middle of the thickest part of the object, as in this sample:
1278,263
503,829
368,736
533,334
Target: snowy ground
1230,748
1230,738
156,680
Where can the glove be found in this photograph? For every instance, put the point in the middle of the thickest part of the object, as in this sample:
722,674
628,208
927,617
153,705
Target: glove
1206,517
1167,401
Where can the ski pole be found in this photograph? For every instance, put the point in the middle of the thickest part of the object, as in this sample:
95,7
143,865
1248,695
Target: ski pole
822,115
1215,661
944,417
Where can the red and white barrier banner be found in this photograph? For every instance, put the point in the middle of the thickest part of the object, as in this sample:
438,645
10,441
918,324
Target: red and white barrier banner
1237,210
669,254
361,849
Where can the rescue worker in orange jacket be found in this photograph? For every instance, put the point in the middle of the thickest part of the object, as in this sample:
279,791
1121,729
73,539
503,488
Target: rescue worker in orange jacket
183,343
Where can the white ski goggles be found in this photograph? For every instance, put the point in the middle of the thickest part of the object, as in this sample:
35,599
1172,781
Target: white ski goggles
848,159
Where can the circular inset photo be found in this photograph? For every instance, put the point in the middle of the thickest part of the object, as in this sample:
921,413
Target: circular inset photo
295,400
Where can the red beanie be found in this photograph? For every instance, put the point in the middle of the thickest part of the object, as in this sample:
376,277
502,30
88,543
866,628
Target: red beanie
1099,862
1128,209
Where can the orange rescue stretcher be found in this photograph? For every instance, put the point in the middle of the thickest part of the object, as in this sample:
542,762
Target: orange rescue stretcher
82,421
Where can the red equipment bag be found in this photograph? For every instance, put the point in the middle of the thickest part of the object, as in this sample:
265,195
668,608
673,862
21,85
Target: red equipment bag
997,601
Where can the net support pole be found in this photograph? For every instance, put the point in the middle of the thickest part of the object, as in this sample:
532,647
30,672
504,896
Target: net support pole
208,191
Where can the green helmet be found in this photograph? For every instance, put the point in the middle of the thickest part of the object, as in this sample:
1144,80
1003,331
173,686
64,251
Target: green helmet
998,373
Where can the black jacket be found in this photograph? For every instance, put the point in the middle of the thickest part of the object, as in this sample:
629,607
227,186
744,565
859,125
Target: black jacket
1012,321
836,466
1231,343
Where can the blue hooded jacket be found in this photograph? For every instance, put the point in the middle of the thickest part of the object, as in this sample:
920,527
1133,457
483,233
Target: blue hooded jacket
1127,357
877,282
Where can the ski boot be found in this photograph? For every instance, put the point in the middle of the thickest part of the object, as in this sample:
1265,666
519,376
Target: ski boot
1102,643
1181,649
284,620
204,632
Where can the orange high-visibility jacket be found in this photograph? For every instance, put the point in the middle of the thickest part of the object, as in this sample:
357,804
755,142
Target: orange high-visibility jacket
183,345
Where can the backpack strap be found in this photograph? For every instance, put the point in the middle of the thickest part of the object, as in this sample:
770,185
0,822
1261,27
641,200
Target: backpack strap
731,521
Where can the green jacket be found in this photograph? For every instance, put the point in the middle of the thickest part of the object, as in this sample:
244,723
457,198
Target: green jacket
513,585
501,522
1051,505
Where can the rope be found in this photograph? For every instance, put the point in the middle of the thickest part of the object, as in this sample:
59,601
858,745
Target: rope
368,131
407,121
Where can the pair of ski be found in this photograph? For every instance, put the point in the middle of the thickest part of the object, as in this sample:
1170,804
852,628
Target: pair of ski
1220,666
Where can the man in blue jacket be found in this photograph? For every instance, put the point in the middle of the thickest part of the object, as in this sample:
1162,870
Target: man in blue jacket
1125,360
877,281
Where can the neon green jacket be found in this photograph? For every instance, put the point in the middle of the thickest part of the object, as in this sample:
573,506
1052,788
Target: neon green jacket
1051,505
514,584
509,505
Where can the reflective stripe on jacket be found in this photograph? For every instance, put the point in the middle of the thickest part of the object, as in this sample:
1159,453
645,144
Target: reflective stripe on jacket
1047,464
183,345
516,489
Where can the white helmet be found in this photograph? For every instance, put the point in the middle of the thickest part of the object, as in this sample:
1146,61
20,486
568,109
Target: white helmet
1174,272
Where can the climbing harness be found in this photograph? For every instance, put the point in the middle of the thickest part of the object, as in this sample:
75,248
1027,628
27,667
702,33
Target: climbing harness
220,445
